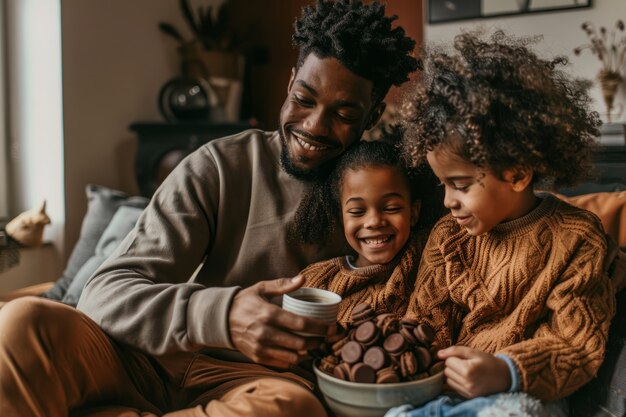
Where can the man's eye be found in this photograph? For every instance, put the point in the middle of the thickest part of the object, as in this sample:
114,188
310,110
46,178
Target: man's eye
350,118
302,101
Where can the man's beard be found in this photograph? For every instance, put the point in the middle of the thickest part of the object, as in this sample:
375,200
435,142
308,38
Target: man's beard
318,174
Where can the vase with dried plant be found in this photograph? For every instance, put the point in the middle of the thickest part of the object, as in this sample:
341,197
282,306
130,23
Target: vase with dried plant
610,49
212,54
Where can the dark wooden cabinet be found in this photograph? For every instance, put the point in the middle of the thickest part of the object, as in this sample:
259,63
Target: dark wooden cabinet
609,172
163,145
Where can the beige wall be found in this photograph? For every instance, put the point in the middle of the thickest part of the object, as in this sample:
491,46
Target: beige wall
114,62
34,111
561,34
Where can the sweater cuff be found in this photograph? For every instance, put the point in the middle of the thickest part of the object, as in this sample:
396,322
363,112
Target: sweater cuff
515,378
207,317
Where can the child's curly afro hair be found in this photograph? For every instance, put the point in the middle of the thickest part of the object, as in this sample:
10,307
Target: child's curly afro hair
511,108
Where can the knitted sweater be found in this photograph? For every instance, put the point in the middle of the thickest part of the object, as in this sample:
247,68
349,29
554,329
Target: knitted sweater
533,289
386,288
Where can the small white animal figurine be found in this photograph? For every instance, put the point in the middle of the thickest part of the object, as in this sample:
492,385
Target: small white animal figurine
27,227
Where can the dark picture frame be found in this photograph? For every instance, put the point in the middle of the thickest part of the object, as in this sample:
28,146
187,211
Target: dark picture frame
442,11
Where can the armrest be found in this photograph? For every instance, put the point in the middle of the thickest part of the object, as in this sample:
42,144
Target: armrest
23,292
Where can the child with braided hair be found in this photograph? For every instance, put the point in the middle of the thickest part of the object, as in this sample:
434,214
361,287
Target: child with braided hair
512,279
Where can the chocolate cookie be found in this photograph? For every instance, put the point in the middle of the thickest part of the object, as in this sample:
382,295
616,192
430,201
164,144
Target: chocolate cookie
363,373
362,313
375,357
394,344
407,333
387,323
351,352
424,334
342,371
423,357
408,364
328,363
408,322
367,333
337,346
387,376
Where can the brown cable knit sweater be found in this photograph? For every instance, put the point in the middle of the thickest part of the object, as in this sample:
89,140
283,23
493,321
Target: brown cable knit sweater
386,288
533,289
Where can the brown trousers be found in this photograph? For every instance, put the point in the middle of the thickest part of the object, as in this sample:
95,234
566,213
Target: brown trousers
55,362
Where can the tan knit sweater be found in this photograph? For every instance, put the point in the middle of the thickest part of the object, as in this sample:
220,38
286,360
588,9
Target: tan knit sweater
386,288
532,289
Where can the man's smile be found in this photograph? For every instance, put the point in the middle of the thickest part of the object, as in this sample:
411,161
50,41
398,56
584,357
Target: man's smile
307,143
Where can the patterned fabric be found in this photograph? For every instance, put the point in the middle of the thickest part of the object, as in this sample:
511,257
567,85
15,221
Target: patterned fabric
386,288
498,405
9,252
533,289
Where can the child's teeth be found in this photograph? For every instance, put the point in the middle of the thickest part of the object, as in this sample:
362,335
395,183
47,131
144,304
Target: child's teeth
376,241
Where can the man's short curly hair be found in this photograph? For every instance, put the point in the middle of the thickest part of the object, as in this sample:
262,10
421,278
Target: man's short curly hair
510,107
360,36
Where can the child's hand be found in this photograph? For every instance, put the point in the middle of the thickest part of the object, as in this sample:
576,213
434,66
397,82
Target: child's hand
473,373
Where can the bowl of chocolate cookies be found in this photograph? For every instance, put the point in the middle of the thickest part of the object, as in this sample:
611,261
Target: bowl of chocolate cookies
380,362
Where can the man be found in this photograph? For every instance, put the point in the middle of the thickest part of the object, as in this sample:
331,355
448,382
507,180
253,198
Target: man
151,340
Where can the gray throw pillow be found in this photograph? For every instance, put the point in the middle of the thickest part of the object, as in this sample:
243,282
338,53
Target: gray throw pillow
122,223
102,203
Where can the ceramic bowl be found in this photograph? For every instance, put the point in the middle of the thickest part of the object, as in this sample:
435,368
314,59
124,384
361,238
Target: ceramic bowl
352,399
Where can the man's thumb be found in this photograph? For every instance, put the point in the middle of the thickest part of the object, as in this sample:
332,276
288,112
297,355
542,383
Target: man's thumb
282,285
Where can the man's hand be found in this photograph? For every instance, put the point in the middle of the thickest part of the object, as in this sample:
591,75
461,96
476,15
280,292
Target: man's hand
264,332
473,373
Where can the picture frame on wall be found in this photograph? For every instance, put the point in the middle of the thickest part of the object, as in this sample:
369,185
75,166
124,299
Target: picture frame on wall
441,11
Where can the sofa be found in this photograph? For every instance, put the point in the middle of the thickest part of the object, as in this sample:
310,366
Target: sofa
112,214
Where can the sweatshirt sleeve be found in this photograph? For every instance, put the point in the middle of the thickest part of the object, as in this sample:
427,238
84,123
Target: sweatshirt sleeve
430,302
141,295
567,349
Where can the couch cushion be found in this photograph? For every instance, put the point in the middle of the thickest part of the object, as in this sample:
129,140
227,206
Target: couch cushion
123,222
102,203
609,207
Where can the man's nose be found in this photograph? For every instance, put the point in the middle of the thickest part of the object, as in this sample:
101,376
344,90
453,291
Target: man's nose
317,123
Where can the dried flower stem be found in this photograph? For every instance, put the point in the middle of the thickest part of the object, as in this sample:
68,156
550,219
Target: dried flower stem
609,49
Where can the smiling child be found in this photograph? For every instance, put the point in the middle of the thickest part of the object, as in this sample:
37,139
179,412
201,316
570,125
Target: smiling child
376,200
512,280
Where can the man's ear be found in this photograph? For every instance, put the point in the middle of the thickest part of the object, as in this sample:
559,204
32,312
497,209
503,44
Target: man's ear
376,114
519,177
415,212
292,78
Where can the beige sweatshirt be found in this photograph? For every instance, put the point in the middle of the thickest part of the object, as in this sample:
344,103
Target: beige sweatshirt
533,289
229,202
